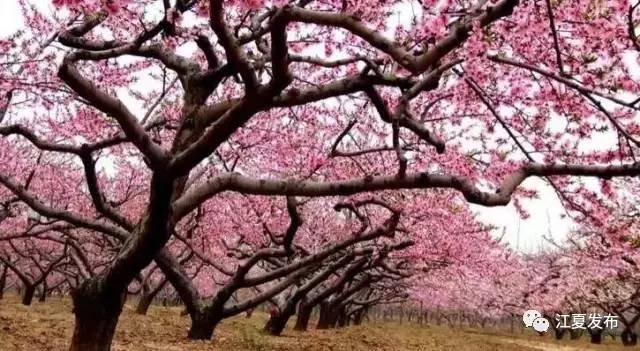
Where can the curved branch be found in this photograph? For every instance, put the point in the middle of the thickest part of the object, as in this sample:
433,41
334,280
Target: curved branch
291,187
115,108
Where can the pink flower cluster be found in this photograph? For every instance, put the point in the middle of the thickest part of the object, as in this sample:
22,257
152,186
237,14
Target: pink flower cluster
112,6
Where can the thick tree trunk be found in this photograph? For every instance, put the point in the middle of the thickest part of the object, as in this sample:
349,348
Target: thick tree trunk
559,333
3,280
341,318
96,316
326,318
334,316
98,301
144,303
43,293
278,321
27,294
147,295
203,325
276,324
304,315
629,337
361,314
596,336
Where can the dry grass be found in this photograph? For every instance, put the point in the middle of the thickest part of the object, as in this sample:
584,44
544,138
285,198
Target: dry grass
48,326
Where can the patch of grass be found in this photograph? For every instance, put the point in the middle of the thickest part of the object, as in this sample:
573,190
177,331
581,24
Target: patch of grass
254,338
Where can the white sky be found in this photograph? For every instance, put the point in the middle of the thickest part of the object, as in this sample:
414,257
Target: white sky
525,235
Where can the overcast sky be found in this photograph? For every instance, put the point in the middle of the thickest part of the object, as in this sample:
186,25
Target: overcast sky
526,235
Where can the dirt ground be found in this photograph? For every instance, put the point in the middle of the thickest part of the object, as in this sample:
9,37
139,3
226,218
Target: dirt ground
48,326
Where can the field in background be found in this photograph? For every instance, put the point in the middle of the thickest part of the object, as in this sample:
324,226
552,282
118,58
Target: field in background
48,326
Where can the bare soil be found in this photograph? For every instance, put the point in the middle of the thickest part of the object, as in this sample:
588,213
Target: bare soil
48,326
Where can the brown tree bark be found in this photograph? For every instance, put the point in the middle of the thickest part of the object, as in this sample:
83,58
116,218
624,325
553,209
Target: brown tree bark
203,324
325,318
596,335
3,280
278,321
304,315
287,308
559,333
144,303
147,295
96,312
629,337
359,315
27,294
342,320
42,297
